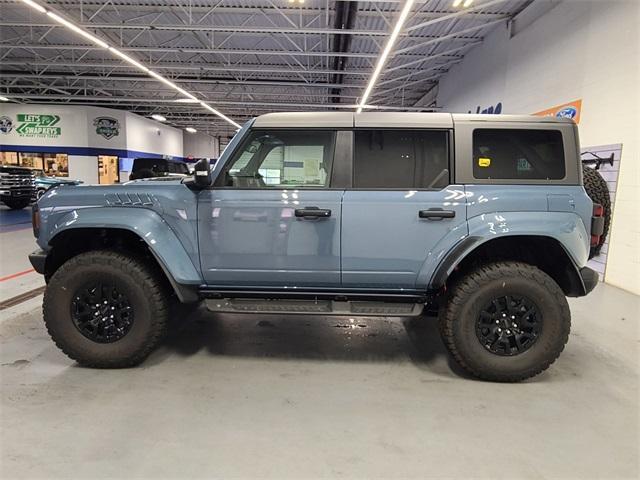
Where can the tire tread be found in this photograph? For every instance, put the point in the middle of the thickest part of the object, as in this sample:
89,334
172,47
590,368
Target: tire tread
469,284
152,286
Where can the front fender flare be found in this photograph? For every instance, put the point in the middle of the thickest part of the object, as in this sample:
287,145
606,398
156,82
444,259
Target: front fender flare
147,225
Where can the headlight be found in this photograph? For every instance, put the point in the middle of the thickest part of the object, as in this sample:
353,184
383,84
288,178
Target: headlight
35,219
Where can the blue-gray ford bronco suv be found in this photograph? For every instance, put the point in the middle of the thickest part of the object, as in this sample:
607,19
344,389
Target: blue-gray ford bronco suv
484,217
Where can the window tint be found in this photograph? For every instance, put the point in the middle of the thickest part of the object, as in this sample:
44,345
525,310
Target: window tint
518,154
281,159
400,159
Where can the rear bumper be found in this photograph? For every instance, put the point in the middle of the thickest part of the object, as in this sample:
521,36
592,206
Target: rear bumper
590,279
38,260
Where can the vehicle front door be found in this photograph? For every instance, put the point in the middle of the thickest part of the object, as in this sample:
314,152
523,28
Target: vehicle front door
271,218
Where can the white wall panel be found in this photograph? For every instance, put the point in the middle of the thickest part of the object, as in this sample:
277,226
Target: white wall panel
200,145
145,135
84,168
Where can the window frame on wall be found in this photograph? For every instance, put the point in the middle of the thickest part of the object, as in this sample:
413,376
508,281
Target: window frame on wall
117,159
47,170
448,154
253,134
22,156
5,154
42,157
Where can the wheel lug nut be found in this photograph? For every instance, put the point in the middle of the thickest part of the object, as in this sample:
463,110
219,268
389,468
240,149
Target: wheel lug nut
498,321
499,330
508,332
513,317
504,314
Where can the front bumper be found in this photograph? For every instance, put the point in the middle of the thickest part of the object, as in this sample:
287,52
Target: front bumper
38,260
590,279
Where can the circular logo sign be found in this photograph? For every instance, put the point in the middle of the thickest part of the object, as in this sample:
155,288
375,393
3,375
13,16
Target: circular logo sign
6,124
567,112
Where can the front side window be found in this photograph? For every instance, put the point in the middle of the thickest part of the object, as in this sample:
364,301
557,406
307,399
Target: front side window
400,159
518,154
282,159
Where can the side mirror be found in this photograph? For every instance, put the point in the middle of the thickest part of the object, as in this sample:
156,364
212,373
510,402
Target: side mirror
202,173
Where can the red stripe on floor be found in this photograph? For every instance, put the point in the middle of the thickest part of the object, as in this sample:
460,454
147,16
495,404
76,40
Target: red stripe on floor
19,274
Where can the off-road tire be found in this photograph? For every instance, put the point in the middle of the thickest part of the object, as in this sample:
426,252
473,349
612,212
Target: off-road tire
16,203
598,191
145,290
460,311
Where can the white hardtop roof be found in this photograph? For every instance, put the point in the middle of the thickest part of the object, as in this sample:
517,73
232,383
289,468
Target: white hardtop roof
387,119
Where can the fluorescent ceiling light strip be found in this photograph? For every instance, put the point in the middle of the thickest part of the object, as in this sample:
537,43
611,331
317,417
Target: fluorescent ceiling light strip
32,4
171,84
221,115
385,53
127,59
77,29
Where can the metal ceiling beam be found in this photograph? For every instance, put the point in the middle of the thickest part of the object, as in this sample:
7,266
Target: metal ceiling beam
90,8
201,28
168,93
257,68
451,16
87,98
188,50
280,82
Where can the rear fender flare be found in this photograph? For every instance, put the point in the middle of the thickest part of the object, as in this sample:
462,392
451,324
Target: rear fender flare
567,228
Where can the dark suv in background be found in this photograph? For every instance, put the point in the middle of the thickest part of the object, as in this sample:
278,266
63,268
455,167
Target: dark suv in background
157,167
17,186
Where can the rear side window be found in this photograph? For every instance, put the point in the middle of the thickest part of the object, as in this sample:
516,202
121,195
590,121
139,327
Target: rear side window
400,159
514,154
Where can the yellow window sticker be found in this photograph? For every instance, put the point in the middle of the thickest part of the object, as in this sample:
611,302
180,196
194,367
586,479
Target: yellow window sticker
484,162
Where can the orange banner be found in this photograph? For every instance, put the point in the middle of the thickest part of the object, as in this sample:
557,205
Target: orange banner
566,110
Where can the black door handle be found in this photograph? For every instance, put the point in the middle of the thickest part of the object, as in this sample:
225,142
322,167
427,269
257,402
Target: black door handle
312,212
436,214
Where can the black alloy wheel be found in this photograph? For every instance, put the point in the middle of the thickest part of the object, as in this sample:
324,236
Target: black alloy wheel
509,325
102,313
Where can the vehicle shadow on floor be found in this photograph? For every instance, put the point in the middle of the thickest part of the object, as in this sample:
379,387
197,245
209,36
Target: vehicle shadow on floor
306,337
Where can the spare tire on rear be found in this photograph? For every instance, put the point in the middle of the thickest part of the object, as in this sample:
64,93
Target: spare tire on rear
598,191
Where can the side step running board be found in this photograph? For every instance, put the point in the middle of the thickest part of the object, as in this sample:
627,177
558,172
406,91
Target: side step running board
314,307
402,296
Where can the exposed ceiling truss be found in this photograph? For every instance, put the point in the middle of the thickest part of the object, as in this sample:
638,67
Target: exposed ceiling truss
244,57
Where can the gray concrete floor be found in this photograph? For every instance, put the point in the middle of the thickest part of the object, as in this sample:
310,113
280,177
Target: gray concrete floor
311,397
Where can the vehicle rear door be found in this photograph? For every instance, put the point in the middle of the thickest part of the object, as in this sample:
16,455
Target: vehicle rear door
401,210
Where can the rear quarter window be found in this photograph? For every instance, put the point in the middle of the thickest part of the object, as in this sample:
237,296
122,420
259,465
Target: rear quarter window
518,154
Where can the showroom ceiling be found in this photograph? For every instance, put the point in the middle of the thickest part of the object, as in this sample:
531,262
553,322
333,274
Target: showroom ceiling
242,57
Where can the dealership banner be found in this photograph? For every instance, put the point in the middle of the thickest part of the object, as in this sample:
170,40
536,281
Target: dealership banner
566,110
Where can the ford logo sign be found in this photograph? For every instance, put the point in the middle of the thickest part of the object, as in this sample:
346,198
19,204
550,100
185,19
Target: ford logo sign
567,112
